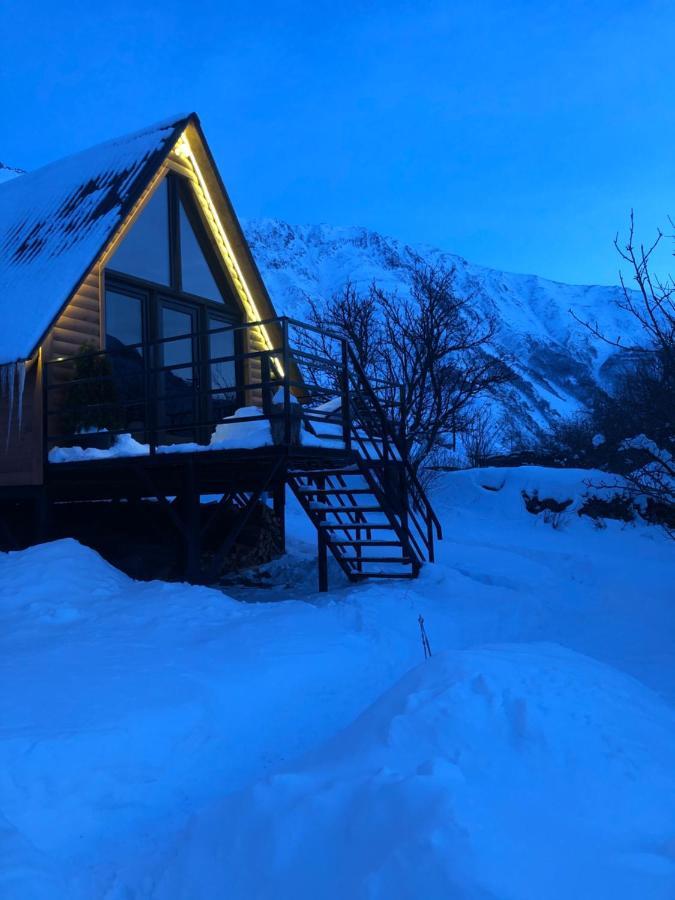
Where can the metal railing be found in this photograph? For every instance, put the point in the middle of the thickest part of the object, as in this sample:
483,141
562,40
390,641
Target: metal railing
173,390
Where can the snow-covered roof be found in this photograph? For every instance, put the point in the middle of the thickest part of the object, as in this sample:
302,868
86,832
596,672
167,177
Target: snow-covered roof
7,172
54,223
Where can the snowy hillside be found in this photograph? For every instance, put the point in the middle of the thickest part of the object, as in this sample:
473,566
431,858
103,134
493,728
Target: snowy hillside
556,362
165,742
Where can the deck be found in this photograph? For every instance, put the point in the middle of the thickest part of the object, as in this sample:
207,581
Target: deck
309,420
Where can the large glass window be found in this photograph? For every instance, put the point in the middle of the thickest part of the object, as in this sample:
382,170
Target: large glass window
223,374
168,309
197,276
176,323
123,319
144,252
177,405
124,328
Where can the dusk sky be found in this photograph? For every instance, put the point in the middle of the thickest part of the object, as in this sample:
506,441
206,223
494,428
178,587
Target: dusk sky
517,134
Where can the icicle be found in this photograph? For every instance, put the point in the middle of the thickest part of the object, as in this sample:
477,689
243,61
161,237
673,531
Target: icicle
4,391
12,384
21,378
9,372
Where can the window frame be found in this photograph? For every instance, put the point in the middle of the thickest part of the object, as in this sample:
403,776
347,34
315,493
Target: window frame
178,190
228,310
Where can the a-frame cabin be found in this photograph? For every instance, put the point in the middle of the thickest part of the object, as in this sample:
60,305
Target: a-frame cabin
141,357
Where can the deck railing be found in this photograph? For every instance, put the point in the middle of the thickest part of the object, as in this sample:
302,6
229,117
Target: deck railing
308,378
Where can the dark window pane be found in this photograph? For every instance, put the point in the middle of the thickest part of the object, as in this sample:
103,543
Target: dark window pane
144,252
124,326
123,319
174,324
223,374
196,273
177,406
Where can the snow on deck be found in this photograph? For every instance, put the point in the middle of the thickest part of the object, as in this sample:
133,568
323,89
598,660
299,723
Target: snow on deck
55,221
166,742
246,429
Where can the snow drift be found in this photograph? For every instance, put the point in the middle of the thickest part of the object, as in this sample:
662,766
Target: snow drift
161,741
529,772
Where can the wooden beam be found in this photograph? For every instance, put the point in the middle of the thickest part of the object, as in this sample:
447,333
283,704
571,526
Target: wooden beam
190,502
279,501
234,532
322,560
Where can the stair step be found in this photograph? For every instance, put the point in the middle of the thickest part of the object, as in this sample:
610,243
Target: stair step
324,473
362,560
363,575
366,544
341,490
344,526
346,509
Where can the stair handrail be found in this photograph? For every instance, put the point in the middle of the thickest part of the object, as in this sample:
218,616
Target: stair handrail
394,438
350,357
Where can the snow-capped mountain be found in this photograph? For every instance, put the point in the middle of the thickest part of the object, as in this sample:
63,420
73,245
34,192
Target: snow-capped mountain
557,364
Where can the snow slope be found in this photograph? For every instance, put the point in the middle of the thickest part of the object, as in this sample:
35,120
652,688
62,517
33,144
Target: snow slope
166,741
557,365
508,771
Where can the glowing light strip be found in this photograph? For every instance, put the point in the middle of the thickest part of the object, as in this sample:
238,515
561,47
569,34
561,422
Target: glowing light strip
184,150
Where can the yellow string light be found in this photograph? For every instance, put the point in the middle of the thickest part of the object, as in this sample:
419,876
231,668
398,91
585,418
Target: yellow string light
184,151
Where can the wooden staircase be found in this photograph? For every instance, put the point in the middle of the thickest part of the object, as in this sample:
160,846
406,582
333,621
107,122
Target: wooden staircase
356,521
370,511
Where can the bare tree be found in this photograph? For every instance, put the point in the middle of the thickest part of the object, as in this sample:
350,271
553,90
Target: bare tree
432,343
482,437
652,304
640,417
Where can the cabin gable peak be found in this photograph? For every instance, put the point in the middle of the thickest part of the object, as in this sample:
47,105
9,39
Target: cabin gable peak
61,225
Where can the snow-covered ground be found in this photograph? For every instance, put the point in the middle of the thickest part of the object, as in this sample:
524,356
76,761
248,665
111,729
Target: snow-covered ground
165,741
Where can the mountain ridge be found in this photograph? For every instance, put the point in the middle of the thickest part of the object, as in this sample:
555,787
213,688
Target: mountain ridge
558,366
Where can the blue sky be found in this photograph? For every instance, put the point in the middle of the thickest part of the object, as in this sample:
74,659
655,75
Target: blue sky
518,134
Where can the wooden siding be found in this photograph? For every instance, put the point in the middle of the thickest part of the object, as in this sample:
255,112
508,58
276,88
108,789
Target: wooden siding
80,322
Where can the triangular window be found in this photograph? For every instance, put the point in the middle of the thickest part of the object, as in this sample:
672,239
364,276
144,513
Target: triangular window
144,252
148,251
196,275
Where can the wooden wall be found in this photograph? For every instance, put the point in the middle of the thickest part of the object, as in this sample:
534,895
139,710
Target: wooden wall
80,322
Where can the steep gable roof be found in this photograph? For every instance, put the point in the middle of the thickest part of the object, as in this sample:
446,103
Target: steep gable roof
54,223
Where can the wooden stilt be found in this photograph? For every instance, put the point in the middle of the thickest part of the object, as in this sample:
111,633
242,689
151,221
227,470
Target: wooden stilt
322,548
322,560
42,516
192,533
279,500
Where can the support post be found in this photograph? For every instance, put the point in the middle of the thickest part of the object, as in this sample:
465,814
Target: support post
403,475
192,534
279,501
322,545
430,537
42,517
287,387
345,404
322,560
265,377
150,390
